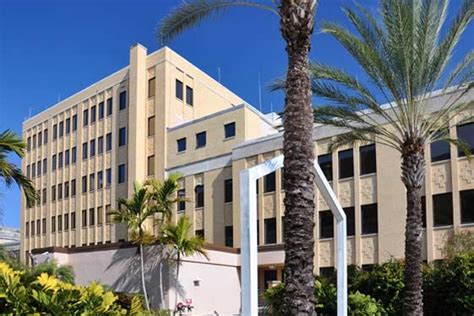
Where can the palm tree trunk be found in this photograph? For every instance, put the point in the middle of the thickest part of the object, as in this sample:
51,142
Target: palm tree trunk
143,278
177,281
413,175
296,27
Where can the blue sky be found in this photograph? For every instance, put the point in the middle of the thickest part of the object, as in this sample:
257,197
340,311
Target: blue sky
51,49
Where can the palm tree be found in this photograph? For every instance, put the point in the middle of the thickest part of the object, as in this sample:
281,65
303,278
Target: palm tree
405,57
177,237
296,26
134,211
11,143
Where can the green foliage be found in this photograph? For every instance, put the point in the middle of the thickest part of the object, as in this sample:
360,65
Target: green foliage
325,295
459,242
448,286
273,298
363,305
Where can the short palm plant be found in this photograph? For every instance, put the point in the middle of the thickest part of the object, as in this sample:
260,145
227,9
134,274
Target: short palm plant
11,143
405,57
163,194
178,238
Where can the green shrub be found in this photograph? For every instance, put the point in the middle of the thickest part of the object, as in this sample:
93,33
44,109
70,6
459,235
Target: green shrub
363,305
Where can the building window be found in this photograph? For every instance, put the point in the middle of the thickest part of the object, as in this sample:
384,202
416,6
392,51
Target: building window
108,173
60,191
53,224
54,163
91,217
66,189
45,136
66,157
28,144
66,221
73,155
53,193
84,151
34,141
44,196
33,169
270,230
179,89
92,148
108,141
44,225
122,136
151,165
443,209
38,165
45,165
84,218
200,139
61,129
60,160
326,223
101,110
325,163
100,145
32,224
181,201
28,168
440,151
121,173
151,87
151,126
346,164
27,229
199,233
73,187
40,138
229,130
228,190
92,182
100,215
60,223
74,122
181,144
85,117
55,132
269,184
467,206
189,96
123,100
229,236
110,108
350,219
369,219
84,184
100,180
73,220
465,132
367,159
199,192
38,227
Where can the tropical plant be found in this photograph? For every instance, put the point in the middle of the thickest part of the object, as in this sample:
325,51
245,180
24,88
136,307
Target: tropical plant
296,26
405,57
9,172
178,238
459,242
134,211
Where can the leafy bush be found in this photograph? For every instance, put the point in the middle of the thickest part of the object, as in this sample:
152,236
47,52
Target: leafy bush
49,295
363,305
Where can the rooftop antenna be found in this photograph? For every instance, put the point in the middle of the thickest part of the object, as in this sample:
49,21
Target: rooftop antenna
259,93
59,97
219,74
271,107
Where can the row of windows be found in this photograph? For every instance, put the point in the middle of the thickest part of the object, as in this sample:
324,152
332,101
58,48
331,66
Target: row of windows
179,92
201,138
90,148
37,140
90,182
443,208
440,150
369,220
68,221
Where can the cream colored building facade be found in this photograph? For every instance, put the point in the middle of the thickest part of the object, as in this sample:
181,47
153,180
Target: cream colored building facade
164,115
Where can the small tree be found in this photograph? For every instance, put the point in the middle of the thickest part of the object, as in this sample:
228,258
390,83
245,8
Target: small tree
177,237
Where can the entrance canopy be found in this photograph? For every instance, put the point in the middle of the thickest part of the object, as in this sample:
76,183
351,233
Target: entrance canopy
248,233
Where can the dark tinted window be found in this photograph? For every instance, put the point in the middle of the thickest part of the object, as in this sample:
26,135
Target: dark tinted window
93,114
466,133
228,190
181,144
108,141
61,129
84,151
325,162
84,218
200,139
108,173
179,89
440,151
467,206
73,154
92,148
326,221
369,219
84,184
367,159
229,236
181,203
270,230
442,209
189,95
100,145
122,136
229,130
68,125
269,184
45,136
73,187
55,132
91,217
346,164
110,108
199,233
123,100
85,117
101,110
74,122
121,173
199,195
350,218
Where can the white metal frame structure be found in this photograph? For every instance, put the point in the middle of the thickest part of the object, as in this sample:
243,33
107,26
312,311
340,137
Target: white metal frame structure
248,233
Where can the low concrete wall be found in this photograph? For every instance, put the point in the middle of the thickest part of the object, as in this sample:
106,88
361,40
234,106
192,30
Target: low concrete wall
213,285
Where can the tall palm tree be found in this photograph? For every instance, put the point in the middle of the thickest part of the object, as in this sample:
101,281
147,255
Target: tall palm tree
11,143
405,57
178,238
134,211
296,26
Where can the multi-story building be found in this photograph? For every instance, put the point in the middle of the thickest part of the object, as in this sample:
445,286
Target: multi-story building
161,114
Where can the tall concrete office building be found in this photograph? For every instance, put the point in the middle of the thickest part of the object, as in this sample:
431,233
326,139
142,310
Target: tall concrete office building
161,114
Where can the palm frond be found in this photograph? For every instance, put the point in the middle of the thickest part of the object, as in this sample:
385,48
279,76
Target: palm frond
192,13
11,174
10,142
